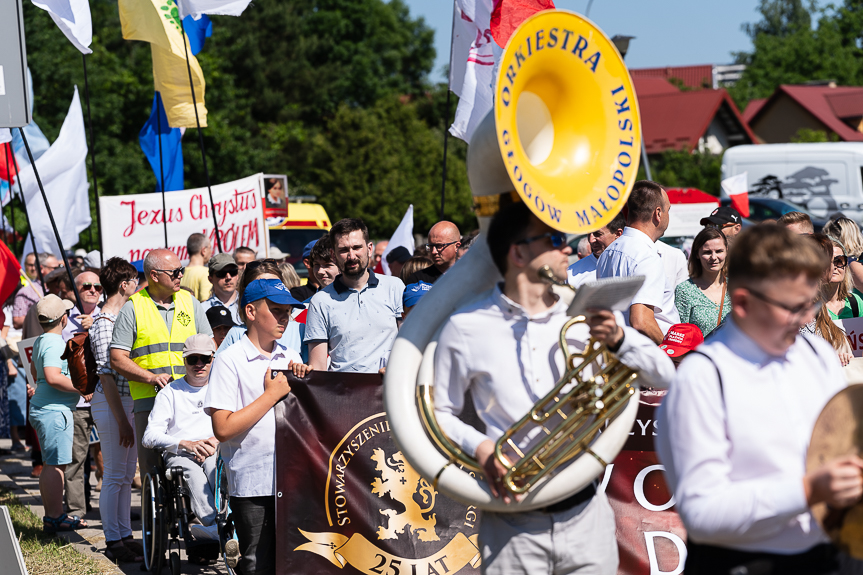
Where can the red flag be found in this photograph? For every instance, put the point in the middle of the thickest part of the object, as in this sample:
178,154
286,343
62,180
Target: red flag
509,14
6,152
10,272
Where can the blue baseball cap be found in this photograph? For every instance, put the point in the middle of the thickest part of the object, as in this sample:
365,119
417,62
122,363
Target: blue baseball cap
307,251
273,290
414,292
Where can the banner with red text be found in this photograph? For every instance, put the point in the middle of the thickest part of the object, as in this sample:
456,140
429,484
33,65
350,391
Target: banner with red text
133,225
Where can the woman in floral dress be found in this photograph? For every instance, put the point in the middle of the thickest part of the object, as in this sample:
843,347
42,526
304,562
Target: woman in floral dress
703,299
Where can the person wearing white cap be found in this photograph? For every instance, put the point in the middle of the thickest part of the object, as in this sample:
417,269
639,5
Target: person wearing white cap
178,426
51,411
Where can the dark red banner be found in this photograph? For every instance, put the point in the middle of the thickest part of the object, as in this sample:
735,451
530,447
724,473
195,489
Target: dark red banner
347,501
651,538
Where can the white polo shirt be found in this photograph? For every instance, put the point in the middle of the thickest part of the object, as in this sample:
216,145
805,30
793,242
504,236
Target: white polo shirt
236,380
635,254
582,271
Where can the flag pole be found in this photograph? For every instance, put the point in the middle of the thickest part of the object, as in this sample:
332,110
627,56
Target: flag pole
53,224
446,116
201,139
93,167
26,213
161,167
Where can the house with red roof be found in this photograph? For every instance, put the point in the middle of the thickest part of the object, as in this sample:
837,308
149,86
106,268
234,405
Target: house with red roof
829,108
695,119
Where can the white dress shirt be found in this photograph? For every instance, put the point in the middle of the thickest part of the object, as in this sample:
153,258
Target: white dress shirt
735,454
236,380
675,263
509,360
635,254
582,271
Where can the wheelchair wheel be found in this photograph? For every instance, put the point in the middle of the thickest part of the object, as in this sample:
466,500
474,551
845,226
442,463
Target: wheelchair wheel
175,563
153,523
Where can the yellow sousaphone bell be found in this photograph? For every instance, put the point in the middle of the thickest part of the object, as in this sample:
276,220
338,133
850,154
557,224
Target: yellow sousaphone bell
565,138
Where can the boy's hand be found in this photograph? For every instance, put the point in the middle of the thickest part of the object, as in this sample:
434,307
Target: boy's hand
278,386
300,369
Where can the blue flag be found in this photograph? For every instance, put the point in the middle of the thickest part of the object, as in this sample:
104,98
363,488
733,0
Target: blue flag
197,31
172,152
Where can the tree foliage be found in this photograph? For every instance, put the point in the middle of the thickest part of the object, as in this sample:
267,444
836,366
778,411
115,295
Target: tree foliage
333,93
788,49
682,169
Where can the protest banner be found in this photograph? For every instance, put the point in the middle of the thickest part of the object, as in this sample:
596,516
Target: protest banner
651,538
25,353
133,225
347,502
853,328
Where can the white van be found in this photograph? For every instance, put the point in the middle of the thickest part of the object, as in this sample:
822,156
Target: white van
825,178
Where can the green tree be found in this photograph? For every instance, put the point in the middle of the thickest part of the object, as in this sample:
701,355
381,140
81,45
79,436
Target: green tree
333,93
787,49
682,169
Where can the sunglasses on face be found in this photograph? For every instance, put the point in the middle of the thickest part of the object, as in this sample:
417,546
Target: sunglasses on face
838,261
87,286
223,273
558,239
196,359
439,247
174,273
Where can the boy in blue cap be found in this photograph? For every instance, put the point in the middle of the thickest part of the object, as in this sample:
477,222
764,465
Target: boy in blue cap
246,382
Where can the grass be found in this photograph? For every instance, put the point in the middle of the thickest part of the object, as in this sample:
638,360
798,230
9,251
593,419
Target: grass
44,554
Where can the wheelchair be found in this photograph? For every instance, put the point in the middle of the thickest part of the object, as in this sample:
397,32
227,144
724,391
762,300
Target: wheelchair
166,516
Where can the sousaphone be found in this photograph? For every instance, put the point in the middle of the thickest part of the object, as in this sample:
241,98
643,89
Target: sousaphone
564,137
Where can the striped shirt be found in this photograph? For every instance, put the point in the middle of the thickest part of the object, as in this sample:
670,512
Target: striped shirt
100,340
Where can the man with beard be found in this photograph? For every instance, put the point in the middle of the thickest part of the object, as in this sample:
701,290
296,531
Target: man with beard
354,318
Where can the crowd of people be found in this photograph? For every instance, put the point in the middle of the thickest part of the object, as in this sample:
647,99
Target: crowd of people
192,360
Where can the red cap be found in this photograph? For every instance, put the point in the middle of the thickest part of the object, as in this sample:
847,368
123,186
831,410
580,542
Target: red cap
681,339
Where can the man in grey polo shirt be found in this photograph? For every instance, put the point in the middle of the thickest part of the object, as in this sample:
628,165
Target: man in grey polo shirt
354,318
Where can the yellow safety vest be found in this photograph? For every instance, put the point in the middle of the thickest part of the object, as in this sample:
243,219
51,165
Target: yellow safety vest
155,349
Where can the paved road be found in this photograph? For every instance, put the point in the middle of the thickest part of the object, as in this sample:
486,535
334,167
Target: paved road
15,473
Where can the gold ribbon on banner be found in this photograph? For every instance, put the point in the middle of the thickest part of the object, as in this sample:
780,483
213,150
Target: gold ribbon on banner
366,557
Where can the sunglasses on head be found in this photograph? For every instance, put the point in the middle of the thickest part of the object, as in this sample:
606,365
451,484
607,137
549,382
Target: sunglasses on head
558,239
223,273
258,263
174,273
87,286
196,359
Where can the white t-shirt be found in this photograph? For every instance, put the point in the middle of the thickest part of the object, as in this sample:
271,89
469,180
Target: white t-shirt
236,380
675,263
582,271
178,414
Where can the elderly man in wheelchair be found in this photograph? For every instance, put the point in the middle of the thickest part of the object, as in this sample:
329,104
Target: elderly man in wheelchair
179,428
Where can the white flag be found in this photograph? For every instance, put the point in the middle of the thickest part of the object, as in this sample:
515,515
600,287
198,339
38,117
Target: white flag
5,135
195,8
73,19
735,185
63,171
471,68
403,236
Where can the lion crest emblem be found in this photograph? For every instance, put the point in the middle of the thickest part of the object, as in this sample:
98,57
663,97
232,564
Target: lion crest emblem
400,481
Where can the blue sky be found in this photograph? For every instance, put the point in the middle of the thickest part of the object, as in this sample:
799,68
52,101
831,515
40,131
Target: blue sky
668,32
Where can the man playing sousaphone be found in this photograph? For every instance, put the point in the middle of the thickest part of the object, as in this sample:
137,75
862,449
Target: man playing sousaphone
504,349
735,426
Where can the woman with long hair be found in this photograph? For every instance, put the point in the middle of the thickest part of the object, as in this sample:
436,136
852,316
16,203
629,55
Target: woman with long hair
834,285
112,412
703,299
847,231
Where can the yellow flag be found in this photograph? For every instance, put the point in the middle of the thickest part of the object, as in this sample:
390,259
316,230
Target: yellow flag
158,22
